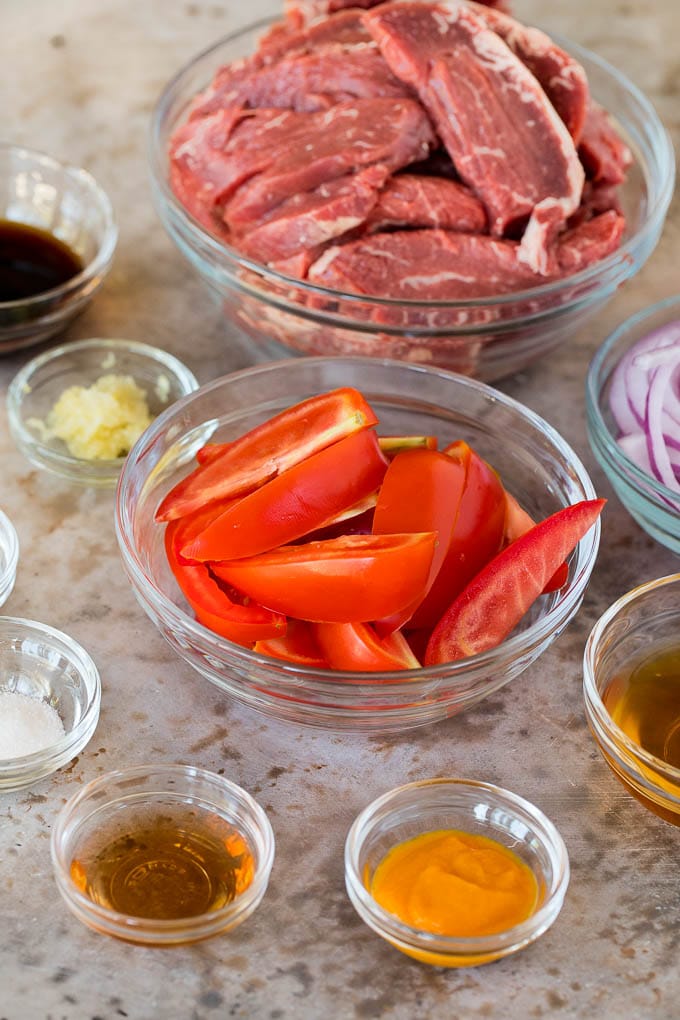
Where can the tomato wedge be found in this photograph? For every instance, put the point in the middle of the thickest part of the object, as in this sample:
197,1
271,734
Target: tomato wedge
243,624
303,498
297,645
517,523
421,491
343,580
476,536
269,449
494,602
357,646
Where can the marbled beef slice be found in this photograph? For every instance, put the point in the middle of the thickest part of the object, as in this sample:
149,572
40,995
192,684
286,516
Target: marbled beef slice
414,200
297,152
504,136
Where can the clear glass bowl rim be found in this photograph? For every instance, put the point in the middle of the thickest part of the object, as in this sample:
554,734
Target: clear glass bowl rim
75,739
414,938
594,387
231,261
107,247
212,922
9,542
618,743
389,681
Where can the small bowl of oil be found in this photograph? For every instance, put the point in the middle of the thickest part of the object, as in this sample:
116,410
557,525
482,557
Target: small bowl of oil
455,872
631,685
162,855
78,408
57,240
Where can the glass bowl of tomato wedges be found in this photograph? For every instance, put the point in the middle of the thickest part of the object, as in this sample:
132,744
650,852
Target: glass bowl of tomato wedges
366,545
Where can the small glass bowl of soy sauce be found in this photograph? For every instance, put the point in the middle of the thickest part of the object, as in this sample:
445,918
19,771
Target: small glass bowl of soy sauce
57,239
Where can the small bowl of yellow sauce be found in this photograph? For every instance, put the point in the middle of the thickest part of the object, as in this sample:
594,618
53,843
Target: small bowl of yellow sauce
162,855
455,872
79,408
631,685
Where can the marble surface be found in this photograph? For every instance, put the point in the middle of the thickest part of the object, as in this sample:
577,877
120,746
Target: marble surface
80,80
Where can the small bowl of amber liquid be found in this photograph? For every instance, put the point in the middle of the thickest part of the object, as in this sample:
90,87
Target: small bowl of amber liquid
162,855
631,688
57,239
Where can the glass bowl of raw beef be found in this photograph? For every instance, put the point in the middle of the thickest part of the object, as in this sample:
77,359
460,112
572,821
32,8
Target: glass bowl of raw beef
539,471
299,173
633,417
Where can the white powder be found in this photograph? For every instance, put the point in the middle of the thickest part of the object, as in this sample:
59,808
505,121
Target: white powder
26,725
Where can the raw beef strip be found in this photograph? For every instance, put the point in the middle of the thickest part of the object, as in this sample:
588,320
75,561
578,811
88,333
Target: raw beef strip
562,78
307,221
345,28
424,265
199,170
590,242
503,135
297,152
309,10
603,153
418,201
313,81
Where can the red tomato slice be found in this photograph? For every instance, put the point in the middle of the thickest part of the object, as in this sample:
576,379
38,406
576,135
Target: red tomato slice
298,645
342,580
517,523
357,646
494,602
476,537
421,491
267,450
240,623
294,503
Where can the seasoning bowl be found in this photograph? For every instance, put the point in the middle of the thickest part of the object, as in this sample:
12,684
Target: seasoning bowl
489,338
631,632
65,201
535,463
39,384
9,557
654,506
42,663
468,806
152,799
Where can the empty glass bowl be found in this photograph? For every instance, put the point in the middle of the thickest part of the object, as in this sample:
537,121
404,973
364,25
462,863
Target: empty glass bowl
190,850
629,634
40,662
465,806
39,384
535,463
652,504
487,338
9,557
39,191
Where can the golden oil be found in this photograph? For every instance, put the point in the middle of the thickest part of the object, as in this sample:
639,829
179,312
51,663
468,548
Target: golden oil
177,864
645,703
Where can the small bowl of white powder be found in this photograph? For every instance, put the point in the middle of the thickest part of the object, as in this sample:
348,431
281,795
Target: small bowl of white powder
50,693
78,408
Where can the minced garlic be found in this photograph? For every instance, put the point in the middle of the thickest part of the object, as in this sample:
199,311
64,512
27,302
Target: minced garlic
101,421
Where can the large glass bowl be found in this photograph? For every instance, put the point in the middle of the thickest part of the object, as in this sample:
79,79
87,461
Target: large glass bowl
536,464
487,338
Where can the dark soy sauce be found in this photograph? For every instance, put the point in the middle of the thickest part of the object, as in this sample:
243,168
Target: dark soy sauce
33,261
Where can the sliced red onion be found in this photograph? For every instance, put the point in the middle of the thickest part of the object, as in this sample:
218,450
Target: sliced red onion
644,398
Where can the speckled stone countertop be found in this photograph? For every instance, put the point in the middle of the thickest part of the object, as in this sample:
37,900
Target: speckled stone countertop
79,81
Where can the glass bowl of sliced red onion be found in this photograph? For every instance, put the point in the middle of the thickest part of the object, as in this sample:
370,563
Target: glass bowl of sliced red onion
633,411
302,178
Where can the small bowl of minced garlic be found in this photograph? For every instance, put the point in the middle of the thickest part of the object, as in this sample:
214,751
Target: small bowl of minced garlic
78,409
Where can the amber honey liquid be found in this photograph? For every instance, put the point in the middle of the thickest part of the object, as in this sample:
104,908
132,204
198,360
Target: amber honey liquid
645,703
173,866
